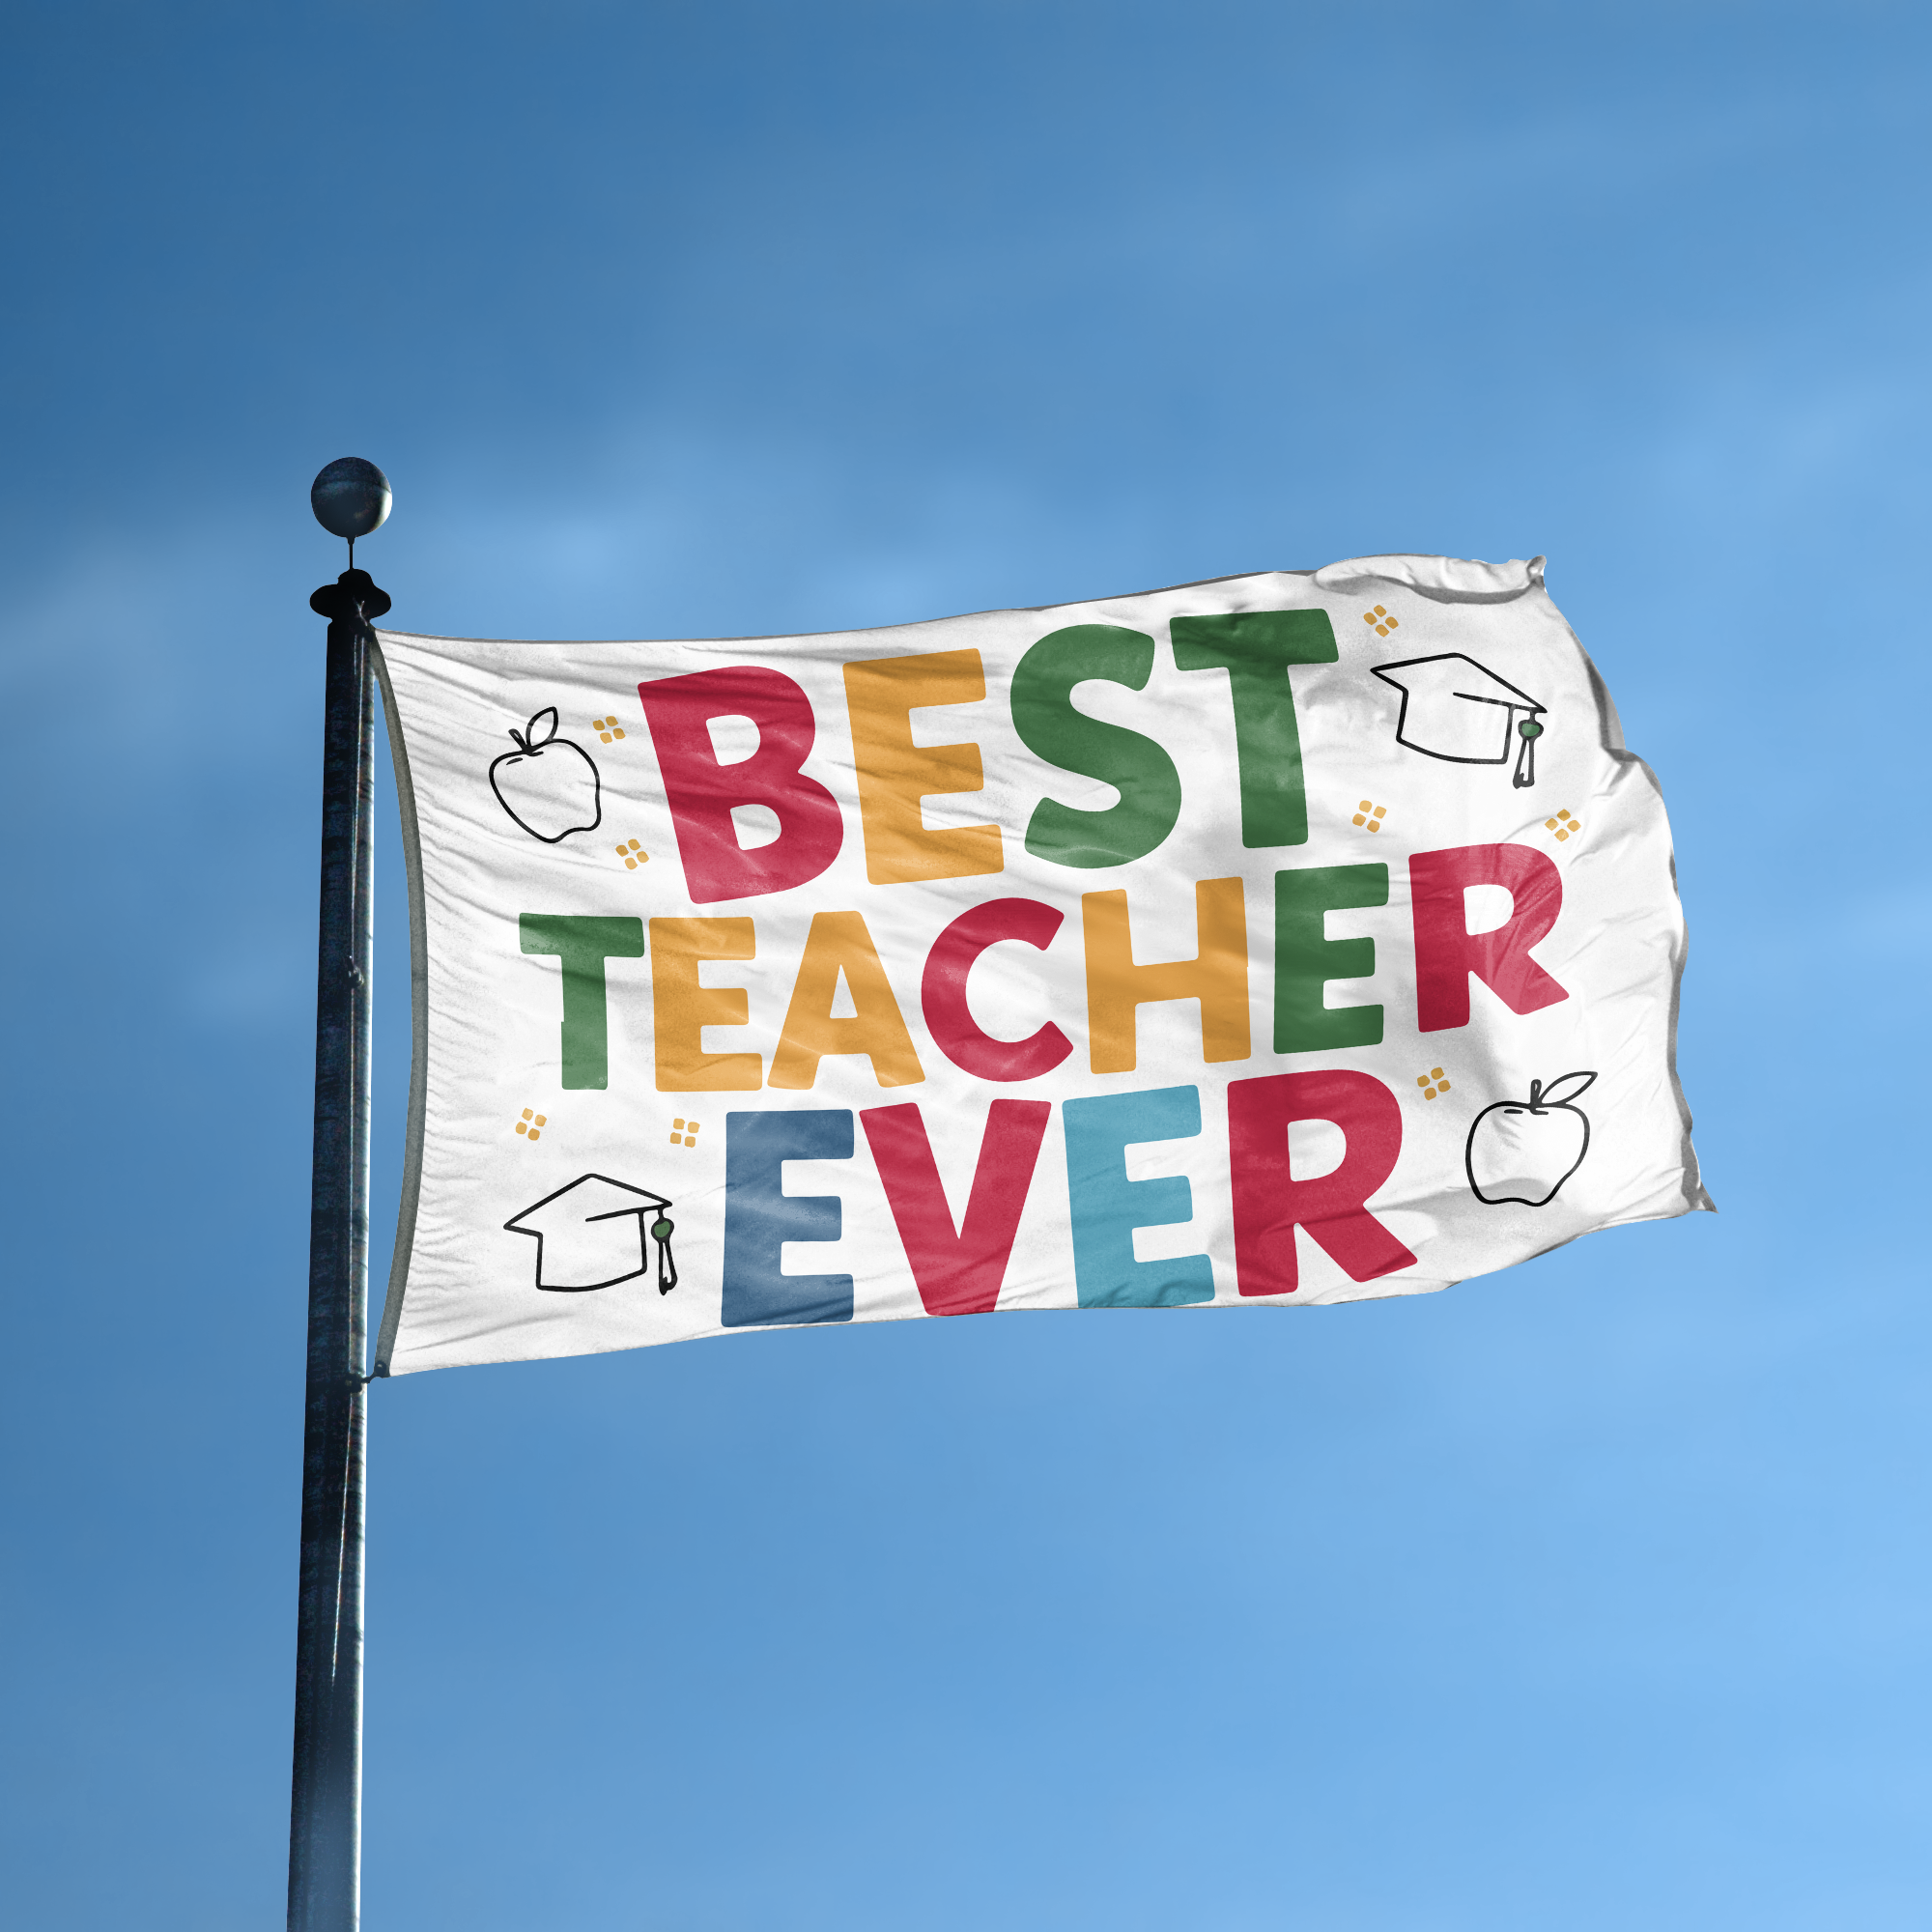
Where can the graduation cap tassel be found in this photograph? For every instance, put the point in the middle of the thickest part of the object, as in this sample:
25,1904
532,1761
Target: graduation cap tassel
1524,775
661,1232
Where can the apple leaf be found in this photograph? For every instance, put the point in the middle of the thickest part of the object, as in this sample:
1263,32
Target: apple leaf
1560,1092
542,727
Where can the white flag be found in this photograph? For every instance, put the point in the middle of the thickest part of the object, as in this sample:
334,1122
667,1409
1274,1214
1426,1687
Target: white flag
1291,938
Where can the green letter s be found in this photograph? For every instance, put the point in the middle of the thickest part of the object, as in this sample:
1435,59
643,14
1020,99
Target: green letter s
1140,770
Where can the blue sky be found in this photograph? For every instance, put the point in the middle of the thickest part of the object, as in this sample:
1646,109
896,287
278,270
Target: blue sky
1593,1593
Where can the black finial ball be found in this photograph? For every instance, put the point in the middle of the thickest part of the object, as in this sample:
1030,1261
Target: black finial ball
350,497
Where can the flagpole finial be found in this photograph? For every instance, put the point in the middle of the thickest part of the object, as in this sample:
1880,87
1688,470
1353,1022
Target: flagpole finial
350,498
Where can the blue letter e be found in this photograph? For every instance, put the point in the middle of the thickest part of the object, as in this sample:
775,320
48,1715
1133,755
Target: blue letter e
760,1218
1107,1207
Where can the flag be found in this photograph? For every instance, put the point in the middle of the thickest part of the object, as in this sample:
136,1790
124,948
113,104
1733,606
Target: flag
1285,939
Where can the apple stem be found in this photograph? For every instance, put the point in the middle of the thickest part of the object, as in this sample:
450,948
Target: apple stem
522,745
1535,1094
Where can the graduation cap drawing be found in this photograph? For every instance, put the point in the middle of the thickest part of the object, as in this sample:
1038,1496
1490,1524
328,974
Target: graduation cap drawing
1454,708
591,1234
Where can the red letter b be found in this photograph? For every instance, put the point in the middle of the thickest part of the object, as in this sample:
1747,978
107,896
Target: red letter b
701,792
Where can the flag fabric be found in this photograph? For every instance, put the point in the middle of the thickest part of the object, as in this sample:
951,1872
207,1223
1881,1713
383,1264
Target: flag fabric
1285,939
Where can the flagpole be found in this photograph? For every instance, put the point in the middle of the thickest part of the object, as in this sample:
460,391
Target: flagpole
326,1809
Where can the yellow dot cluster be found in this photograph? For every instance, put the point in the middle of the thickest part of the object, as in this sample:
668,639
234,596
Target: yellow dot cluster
1381,619
1428,1092
530,1124
683,1133
607,729
632,855
1369,817
1562,825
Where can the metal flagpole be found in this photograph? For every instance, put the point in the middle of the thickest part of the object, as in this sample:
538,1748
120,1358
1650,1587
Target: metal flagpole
350,499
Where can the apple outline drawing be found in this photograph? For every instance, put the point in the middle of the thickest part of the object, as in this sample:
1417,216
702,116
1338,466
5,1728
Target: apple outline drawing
538,739
1543,1103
